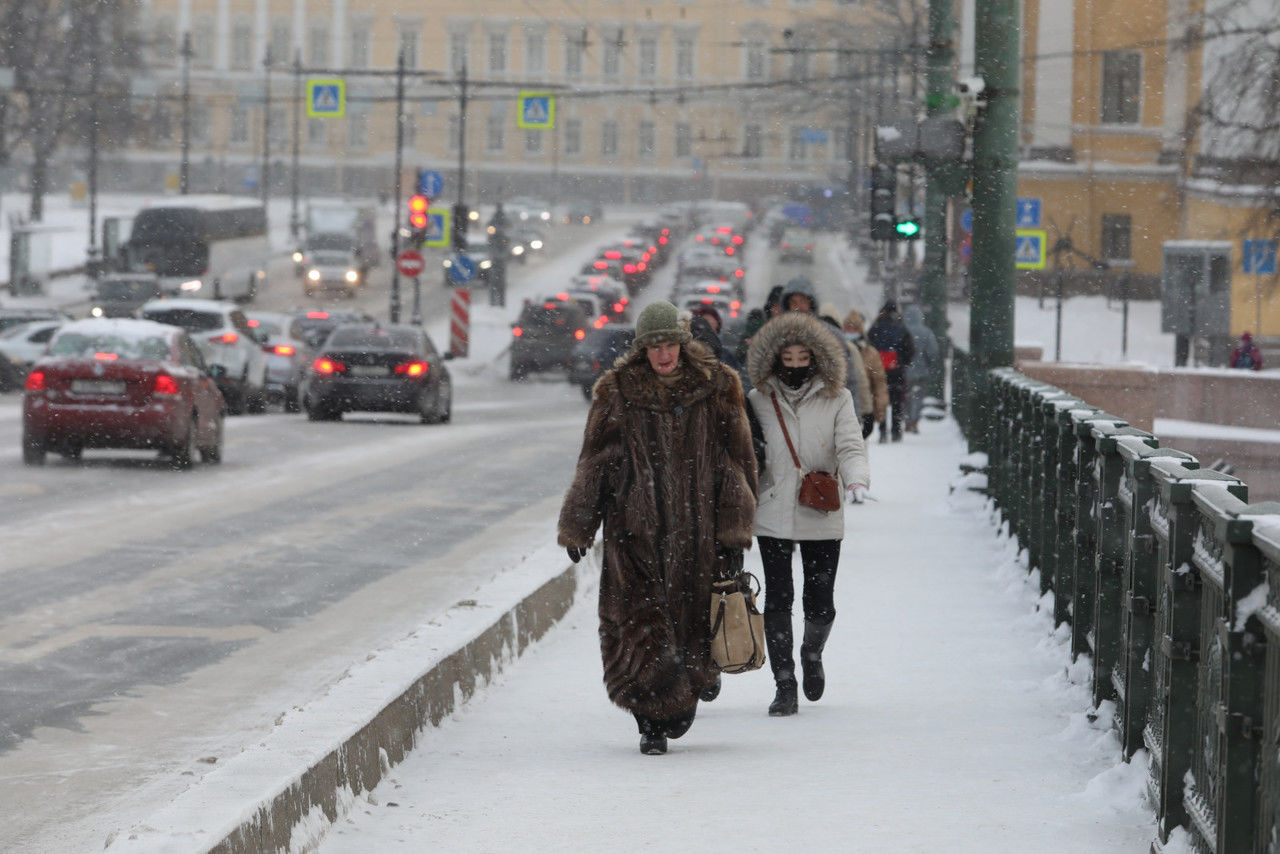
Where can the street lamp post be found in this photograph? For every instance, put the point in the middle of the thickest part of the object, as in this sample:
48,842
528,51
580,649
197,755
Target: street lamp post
184,168
264,178
95,62
294,223
395,232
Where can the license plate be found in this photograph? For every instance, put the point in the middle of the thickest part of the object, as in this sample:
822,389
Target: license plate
368,370
97,387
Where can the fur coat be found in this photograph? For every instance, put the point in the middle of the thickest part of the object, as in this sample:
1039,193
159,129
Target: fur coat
669,471
820,420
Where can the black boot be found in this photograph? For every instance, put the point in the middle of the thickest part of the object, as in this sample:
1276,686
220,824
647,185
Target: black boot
710,692
652,740
785,701
678,725
815,679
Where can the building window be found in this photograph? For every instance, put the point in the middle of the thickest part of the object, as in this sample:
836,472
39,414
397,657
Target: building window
359,47
609,138
535,53
278,131
684,139
357,130
532,141
317,133
454,133
757,60
645,139
611,57
1117,231
575,44
410,130
752,141
495,127
202,42
801,64
573,137
282,40
648,58
164,42
238,126
242,45
199,118
459,51
1121,86
408,39
498,53
684,58
797,149
318,44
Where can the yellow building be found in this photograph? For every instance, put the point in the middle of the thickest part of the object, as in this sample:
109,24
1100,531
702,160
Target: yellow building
654,99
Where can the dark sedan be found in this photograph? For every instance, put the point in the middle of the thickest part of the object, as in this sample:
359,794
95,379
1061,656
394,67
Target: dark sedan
375,368
596,354
122,384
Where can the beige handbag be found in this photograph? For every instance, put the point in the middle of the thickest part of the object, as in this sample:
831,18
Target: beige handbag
737,627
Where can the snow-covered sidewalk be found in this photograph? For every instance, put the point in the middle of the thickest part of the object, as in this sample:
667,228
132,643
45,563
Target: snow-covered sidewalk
952,722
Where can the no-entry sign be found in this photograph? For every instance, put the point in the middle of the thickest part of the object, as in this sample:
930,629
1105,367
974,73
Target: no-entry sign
410,263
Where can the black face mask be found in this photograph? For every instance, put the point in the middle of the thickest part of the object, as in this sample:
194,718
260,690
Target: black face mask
794,377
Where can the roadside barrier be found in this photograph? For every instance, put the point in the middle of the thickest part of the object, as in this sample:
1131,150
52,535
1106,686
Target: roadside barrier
1169,581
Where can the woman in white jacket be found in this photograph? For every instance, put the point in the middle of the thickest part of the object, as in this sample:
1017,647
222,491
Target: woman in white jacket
797,366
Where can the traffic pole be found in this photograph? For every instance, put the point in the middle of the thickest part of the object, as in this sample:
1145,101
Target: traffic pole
460,322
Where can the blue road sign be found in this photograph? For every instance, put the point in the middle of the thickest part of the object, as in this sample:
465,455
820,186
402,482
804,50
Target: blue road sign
966,219
1028,213
326,99
1029,250
438,226
461,269
1259,257
537,111
817,137
430,183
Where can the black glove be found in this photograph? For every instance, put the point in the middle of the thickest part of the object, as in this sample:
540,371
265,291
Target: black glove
728,562
575,553
868,425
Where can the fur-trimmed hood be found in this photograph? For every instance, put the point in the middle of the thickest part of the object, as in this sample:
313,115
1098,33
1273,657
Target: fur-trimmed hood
796,327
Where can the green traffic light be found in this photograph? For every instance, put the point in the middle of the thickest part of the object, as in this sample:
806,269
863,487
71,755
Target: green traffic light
907,227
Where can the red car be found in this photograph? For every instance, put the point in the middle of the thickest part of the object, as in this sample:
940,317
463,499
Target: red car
122,384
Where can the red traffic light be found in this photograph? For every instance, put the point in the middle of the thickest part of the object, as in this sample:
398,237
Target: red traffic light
418,204
418,220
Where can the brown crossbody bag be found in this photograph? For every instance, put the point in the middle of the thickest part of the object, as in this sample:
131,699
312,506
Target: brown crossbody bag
819,490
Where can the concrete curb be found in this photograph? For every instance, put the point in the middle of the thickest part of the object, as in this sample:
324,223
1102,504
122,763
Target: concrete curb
264,808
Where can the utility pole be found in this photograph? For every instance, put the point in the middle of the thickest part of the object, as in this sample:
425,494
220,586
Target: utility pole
264,178
294,223
462,138
95,61
995,196
184,167
395,231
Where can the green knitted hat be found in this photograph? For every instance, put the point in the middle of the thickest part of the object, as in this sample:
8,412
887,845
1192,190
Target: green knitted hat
659,323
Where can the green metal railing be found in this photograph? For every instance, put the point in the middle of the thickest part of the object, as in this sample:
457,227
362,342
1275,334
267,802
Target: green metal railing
1170,583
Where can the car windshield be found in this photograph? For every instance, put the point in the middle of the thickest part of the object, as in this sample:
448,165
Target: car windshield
373,339
548,314
128,289
334,258
190,319
265,327
109,345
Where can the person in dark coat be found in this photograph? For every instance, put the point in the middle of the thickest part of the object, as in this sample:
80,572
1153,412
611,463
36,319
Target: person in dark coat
927,358
1246,355
890,336
758,317
667,466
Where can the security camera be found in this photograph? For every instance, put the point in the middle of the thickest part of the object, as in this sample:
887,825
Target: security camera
972,86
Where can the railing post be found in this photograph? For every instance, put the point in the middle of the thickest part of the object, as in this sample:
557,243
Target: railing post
1065,533
1171,719
1266,538
1132,674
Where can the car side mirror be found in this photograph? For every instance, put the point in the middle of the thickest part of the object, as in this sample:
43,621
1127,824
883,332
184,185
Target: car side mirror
216,372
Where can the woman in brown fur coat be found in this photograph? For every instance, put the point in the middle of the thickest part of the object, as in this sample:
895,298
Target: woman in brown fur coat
667,466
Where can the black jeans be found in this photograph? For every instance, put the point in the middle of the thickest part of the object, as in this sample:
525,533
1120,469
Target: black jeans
818,558
897,382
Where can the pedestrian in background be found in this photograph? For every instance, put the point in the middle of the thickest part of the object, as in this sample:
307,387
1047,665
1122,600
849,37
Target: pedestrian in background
890,336
1246,355
928,356
797,366
856,378
667,466
855,334
756,318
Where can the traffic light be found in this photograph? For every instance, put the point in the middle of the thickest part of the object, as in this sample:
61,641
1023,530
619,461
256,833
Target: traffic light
461,219
418,218
884,203
907,229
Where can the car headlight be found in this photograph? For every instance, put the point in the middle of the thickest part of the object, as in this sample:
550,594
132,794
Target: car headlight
545,216
535,244
486,264
353,276
446,263
297,257
313,275
517,250
96,311
192,285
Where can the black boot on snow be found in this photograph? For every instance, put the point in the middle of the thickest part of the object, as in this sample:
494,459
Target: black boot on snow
815,679
785,702
710,692
677,726
652,740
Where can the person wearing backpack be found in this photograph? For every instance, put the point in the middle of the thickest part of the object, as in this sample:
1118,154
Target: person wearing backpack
890,336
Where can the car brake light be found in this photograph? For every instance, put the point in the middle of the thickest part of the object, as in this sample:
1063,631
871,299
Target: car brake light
601,321
106,357
618,308
562,296
706,300
641,267
35,381
517,331
698,238
735,305
283,350
737,239
729,250
713,289
613,255
328,366
317,315
579,334
549,306
225,338
253,324
595,364
165,384
601,265
629,268
413,369
662,241
739,273
723,229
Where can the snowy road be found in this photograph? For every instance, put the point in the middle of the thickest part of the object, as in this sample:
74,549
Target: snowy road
948,725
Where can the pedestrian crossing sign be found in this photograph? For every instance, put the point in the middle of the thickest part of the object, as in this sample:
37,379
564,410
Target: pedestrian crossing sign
438,227
1029,249
537,111
326,99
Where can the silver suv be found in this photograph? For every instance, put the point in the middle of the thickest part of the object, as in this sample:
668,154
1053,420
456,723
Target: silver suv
231,347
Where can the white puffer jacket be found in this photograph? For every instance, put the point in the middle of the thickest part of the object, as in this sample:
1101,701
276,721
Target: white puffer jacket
823,427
